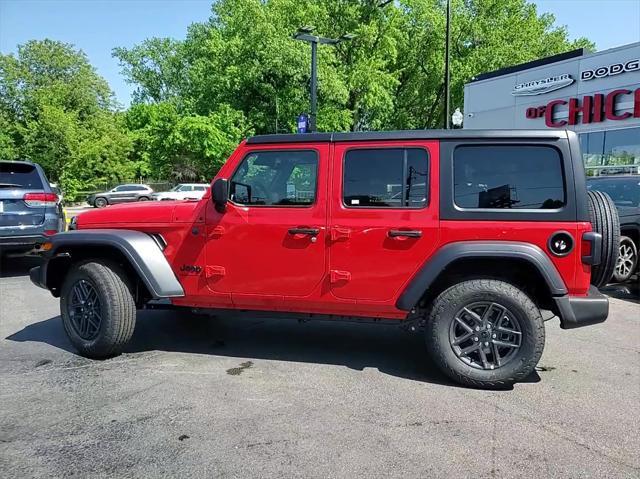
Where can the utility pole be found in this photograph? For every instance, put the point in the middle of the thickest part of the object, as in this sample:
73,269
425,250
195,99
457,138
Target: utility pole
446,67
314,87
304,34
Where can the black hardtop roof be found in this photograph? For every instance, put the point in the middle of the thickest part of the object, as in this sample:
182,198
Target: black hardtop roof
458,134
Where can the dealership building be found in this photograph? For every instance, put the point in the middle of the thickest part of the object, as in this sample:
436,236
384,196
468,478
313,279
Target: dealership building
595,94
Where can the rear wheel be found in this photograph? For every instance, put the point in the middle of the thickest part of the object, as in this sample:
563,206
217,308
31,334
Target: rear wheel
627,260
604,220
485,333
97,308
143,198
100,202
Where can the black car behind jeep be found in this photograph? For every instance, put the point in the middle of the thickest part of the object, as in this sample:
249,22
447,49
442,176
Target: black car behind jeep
625,192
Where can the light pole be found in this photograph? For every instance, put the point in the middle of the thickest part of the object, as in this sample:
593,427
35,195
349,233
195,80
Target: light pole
446,67
305,34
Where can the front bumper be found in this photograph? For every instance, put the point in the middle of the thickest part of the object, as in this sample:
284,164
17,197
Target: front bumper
578,311
38,276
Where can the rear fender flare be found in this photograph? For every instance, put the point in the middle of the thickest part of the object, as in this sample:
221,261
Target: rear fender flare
140,249
452,252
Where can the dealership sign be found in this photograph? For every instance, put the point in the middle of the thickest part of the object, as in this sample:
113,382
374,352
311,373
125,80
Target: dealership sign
615,69
538,87
591,108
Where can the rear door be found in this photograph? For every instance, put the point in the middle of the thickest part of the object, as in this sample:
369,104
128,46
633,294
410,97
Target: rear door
384,216
19,215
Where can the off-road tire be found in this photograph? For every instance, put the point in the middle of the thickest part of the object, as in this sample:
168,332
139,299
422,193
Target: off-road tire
443,312
118,309
100,202
630,257
604,220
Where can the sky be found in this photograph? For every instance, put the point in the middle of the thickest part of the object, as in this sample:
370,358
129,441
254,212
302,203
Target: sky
97,26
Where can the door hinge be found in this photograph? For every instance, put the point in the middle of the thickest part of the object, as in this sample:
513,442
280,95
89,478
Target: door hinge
211,271
338,234
337,276
217,231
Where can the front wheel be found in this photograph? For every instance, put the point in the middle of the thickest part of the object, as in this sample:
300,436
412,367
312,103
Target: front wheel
98,311
485,333
627,260
100,202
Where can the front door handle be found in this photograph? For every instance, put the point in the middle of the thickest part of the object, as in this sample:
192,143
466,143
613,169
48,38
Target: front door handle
304,231
405,233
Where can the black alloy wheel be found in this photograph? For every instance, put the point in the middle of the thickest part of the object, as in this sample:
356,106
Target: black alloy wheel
84,310
485,335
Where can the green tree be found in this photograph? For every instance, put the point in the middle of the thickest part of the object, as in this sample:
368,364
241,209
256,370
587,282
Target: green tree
57,111
389,77
183,146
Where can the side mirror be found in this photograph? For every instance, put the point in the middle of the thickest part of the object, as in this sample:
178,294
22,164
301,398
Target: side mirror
220,193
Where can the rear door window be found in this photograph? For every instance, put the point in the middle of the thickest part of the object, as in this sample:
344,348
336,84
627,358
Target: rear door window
508,177
19,175
385,178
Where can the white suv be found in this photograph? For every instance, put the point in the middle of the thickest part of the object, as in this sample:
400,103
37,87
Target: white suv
182,191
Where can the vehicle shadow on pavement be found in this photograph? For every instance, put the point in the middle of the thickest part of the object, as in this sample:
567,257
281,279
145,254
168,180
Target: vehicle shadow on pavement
11,267
357,346
629,291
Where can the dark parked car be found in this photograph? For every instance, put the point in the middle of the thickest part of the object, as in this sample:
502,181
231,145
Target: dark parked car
120,194
30,210
625,192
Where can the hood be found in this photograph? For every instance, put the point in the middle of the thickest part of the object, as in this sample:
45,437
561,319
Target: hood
145,212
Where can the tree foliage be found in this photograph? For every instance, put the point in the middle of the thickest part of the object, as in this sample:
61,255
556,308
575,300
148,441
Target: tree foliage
389,77
55,110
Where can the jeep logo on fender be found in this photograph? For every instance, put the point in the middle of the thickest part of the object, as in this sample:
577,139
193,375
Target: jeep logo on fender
190,269
615,69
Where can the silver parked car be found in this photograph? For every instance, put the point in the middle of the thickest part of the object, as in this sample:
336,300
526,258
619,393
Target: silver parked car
120,194
30,210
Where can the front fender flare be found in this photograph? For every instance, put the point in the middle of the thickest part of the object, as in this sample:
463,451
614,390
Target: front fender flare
452,252
142,252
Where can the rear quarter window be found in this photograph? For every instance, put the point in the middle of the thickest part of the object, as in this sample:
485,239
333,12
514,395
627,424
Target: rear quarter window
508,177
19,175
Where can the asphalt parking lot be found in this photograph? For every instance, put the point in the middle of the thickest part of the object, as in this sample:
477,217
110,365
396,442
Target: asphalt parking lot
243,397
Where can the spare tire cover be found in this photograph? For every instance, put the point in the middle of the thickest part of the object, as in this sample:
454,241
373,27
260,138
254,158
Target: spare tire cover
604,220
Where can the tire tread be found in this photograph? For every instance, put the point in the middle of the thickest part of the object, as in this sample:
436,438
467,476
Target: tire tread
449,296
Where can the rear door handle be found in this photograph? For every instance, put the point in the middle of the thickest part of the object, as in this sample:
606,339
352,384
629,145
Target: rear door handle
304,231
405,233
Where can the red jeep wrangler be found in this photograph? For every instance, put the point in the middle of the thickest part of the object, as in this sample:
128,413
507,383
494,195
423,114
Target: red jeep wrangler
480,236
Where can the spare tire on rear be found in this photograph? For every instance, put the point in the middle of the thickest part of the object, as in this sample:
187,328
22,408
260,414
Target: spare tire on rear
604,220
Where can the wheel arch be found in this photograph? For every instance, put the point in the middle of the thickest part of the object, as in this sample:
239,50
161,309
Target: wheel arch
631,231
136,252
510,261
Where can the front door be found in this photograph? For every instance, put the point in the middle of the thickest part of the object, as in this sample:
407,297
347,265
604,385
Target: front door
271,239
384,217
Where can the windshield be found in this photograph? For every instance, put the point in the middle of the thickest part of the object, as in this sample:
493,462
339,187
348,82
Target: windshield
623,192
176,188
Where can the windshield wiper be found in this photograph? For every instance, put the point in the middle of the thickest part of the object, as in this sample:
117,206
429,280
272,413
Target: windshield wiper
10,185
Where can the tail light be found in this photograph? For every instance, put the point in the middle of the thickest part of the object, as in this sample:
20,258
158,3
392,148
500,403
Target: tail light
40,200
